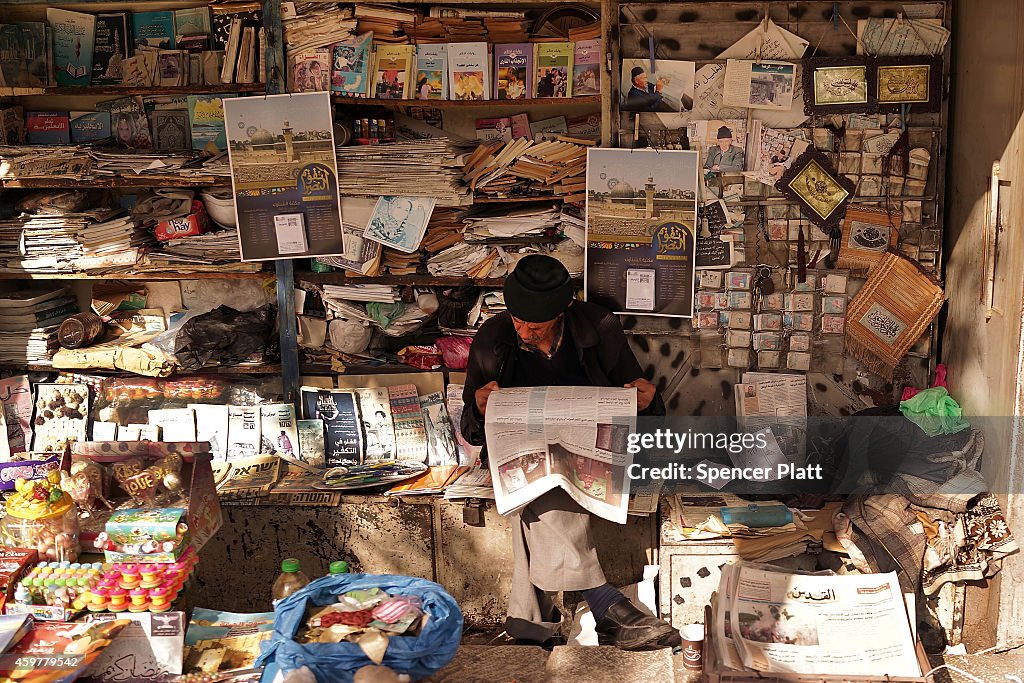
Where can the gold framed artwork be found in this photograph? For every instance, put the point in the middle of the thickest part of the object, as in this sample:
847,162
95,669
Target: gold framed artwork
838,84
868,233
907,81
822,193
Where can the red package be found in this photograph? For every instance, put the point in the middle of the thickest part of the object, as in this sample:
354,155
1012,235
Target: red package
455,351
14,562
196,223
421,357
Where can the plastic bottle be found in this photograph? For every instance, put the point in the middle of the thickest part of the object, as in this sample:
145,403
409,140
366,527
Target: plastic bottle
290,580
338,567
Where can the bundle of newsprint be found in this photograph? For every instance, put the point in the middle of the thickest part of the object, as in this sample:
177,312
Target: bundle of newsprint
766,620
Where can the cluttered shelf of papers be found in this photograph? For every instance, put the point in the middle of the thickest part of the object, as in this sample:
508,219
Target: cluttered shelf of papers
88,164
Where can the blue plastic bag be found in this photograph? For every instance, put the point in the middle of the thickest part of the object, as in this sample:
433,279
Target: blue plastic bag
419,656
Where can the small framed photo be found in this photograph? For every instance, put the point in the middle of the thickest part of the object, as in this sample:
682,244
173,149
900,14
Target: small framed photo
707,320
798,361
778,229
721,301
804,322
740,300
738,358
768,359
908,80
706,301
833,305
833,324
739,320
800,301
836,85
814,184
835,284
799,341
734,338
767,341
773,302
710,279
768,321
735,279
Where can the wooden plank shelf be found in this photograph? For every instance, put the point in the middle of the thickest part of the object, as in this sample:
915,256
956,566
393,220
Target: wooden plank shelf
246,369
341,278
550,199
454,104
124,91
115,182
151,277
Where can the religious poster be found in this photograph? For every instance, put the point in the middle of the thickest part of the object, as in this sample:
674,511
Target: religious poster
285,176
641,227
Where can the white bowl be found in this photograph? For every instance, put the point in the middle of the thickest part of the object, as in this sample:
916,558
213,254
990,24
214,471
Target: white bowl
221,210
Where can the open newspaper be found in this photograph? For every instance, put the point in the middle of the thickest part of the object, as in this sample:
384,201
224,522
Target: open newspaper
573,437
775,621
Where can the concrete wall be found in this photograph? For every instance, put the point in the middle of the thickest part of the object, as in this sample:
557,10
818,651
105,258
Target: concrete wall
982,351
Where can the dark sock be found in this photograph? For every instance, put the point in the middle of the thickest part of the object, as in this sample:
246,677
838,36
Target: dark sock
601,598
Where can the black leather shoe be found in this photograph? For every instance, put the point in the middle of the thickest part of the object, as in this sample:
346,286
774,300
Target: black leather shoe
627,628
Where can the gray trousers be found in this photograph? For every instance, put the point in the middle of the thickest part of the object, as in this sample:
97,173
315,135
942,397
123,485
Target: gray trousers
553,550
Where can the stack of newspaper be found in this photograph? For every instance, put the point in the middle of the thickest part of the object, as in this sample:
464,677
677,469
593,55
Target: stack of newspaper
414,168
29,319
465,260
769,620
515,224
315,25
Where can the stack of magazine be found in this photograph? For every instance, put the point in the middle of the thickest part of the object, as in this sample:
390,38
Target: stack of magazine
770,620
30,318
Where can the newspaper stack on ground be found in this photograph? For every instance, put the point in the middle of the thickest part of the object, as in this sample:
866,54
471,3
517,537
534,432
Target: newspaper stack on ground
539,438
773,621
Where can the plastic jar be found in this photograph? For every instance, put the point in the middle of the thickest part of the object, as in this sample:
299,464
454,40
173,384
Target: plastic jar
53,532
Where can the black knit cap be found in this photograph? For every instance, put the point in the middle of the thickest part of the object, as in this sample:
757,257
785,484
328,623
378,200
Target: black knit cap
538,290
724,133
637,70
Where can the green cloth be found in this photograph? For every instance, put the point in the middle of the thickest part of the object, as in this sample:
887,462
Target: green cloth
385,314
934,411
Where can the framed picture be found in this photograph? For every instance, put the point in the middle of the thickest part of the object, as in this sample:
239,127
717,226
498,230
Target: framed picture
914,81
867,233
837,85
821,192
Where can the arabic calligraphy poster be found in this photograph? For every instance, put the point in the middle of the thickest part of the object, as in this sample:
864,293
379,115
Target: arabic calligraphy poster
285,176
641,218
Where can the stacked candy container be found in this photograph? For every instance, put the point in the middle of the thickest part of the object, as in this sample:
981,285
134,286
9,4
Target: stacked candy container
41,516
139,587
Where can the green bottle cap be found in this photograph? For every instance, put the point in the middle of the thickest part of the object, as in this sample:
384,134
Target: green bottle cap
339,567
290,566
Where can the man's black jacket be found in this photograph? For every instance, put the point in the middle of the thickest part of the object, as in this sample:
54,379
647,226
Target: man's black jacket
599,341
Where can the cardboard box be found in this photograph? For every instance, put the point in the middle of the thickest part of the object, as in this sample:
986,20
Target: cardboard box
37,468
43,612
14,562
140,526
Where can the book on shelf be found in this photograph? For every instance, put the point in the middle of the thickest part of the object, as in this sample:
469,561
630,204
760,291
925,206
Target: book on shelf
469,71
25,54
279,433
520,126
212,426
494,129
72,39
89,126
393,71
47,128
194,44
171,130
513,71
128,122
231,47
410,427
586,68
153,29
192,21
245,71
311,71
339,411
350,67
244,431
431,72
210,64
547,129
206,122
554,70
113,45
12,125
223,16
378,424
172,68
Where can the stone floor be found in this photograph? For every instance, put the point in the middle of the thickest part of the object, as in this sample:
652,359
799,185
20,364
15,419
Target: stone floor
522,664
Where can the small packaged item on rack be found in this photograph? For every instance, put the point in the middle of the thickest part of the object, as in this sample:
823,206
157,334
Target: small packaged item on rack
14,562
155,535
55,591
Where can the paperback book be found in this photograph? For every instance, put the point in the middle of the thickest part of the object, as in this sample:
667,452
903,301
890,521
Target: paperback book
339,411
350,67
410,427
112,46
191,21
206,122
89,126
393,72
153,29
171,130
280,435
468,71
586,68
431,72
47,127
312,70
243,432
212,426
128,122
554,69
513,71
24,54
72,38
378,425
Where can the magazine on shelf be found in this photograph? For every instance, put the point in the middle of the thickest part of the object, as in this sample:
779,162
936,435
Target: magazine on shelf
539,438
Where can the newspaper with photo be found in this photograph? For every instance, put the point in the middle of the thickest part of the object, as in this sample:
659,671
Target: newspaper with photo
571,437
813,624
778,402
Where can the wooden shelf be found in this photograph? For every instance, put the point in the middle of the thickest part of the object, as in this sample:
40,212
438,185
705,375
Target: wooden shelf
89,90
382,369
151,277
273,369
117,182
550,199
341,278
454,104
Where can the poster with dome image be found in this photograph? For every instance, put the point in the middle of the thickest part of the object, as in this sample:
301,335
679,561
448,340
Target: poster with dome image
641,217
284,176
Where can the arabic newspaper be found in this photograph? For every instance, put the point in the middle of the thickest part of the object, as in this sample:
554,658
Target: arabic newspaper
813,624
573,437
